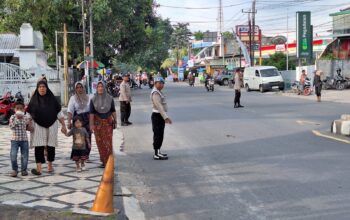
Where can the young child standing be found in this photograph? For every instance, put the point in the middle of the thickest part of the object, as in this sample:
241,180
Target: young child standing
19,124
81,143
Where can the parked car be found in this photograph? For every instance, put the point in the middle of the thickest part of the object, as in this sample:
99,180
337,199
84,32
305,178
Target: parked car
224,78
262,78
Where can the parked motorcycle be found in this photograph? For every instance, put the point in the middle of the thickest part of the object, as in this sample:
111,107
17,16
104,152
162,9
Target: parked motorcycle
133,84
113,89
6,108
297,87
338,82
144,81
151,83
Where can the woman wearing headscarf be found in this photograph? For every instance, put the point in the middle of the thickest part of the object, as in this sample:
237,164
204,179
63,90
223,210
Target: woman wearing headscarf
102,119
44,110
79,104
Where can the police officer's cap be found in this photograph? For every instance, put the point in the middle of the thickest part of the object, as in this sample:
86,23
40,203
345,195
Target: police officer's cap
159,79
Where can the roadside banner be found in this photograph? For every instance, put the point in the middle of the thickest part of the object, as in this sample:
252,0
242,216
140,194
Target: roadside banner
304,34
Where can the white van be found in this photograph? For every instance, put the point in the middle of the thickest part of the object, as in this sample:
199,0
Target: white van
262,78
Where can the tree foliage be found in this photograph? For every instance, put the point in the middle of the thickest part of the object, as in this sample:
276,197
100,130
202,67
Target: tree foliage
180,36
279,60
157,45
44,15
198,35
126,30
227,35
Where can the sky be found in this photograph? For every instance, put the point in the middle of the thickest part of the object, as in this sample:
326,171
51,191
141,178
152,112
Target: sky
271,16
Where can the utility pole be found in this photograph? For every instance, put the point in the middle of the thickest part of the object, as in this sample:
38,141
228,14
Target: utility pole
250,41
91,31
65,63
251,38
253,18
91,45
220,30
83,21
57,63
287,53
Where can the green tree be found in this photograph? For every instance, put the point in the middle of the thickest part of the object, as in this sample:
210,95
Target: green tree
180,36
227,35
198,35
279,60
157,46
121,27
44,15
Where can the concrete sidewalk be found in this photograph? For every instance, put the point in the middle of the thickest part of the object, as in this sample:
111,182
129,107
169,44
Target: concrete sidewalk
327,95
64,190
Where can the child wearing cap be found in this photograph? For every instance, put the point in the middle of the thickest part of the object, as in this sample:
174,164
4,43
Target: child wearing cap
19,124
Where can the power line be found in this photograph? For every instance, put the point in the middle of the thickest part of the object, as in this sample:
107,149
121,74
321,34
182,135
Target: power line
191,22
198,8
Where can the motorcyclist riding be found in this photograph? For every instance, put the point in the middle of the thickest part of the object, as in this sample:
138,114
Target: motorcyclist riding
207,77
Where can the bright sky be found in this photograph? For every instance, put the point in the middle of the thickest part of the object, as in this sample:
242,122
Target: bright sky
271,14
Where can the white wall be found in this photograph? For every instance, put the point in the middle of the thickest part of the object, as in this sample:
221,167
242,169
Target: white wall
28,59
26,35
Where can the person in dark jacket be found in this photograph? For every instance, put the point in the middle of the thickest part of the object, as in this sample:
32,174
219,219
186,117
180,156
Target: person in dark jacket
318,84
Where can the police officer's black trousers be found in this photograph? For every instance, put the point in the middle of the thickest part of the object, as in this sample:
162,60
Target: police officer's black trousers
125,111
158,125
237,97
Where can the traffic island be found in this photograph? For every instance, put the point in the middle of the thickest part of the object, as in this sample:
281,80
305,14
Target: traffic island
341,126
332,136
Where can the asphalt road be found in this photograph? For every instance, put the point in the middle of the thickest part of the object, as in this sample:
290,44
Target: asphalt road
259,162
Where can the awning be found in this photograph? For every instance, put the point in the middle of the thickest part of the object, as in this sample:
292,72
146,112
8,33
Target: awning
96,65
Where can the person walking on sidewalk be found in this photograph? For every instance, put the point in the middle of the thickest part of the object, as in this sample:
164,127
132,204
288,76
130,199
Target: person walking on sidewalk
19,124
237,87
159,118
318,84
125,100
45,110
79,105
81,143
103,118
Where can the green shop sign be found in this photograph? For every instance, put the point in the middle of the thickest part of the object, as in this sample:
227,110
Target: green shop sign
304,34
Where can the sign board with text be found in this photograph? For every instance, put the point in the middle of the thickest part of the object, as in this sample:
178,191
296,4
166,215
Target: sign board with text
244,30
280,48
304,34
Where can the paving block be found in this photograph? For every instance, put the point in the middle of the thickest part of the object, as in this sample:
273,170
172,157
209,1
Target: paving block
341,127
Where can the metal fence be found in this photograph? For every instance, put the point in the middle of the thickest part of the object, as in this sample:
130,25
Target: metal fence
13,79
289,77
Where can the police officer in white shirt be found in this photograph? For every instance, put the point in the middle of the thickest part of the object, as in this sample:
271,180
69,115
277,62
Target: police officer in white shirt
159,118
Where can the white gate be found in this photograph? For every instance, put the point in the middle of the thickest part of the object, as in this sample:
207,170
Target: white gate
13,79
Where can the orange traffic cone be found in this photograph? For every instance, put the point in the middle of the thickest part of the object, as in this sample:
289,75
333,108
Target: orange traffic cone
104,196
